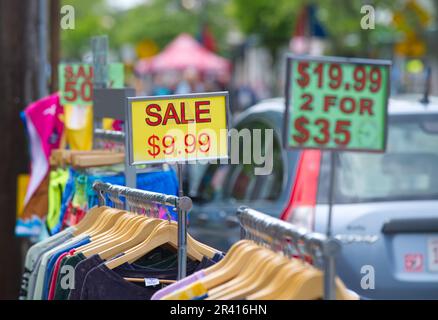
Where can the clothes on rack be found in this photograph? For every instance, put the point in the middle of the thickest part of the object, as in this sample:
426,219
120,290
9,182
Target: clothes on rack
269,265
79,126
50,125
70,192
105,235
253,272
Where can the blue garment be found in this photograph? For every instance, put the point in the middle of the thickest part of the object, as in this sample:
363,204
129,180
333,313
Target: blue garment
67,196
52,261
160,181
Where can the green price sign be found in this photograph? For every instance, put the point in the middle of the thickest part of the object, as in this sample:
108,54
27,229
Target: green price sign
336,103
76,82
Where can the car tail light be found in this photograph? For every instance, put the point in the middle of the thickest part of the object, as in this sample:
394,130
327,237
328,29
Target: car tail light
300,209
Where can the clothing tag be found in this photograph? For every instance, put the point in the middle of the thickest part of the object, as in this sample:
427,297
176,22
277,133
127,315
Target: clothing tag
151,282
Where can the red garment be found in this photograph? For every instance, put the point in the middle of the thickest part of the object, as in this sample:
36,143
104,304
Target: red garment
73,215
56,270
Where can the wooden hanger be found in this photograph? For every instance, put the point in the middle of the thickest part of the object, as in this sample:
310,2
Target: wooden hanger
167,233
63,157
90,218
116,230
126,233
197,246
99,223
249,284
284,275
264,277
161,235
86,161
237,251
228,257
143,231
258,262
310,286
231,269
107,223
124,219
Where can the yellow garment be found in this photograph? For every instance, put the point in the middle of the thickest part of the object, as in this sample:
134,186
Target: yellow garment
79,126
22,182
196,289
107,123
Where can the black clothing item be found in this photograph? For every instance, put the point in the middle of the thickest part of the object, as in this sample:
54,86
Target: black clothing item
102,283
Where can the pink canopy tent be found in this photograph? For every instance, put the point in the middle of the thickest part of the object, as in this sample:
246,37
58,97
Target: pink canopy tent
184,52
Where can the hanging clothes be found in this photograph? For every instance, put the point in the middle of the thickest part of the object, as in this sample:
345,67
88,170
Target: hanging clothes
79,126
45,129
57,184
47,261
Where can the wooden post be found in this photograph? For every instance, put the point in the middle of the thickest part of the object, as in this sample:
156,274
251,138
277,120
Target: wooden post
18,87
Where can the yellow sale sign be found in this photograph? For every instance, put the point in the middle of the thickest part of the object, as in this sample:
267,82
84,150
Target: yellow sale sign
177,128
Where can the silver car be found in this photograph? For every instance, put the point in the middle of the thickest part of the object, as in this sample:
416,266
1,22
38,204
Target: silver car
386,205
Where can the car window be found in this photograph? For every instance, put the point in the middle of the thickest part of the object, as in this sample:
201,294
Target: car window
408,170
238,182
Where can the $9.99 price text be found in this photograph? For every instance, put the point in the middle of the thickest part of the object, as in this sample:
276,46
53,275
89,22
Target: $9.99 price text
173,145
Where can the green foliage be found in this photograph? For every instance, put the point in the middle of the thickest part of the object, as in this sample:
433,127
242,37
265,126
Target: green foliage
271,21
274,22
87,23
157,20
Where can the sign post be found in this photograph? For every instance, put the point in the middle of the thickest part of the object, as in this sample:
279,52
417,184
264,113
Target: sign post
336,104
177,129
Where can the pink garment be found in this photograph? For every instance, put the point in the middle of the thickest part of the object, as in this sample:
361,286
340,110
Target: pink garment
45,130
178,285
56,270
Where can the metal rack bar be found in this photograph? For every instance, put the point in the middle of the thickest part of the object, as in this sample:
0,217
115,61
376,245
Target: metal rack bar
255,222
183,205
117,136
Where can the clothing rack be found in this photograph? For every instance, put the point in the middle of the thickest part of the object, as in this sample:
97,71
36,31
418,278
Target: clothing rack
141,197
271,231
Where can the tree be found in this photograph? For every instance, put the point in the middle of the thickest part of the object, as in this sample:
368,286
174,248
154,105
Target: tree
274,22
157,20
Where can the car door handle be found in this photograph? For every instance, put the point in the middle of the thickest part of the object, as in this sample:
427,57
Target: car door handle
232,221
425,225
202,218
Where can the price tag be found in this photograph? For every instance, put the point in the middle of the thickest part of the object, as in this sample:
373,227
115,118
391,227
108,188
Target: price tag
150,282
177,128
337,103
76,82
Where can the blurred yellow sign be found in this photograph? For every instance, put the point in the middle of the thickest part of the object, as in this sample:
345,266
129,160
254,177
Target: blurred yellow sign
408,20
146,48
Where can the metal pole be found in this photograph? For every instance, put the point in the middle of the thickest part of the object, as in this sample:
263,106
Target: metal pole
130,171
331,191
42,48
329,277
182,228
330,265
99,48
